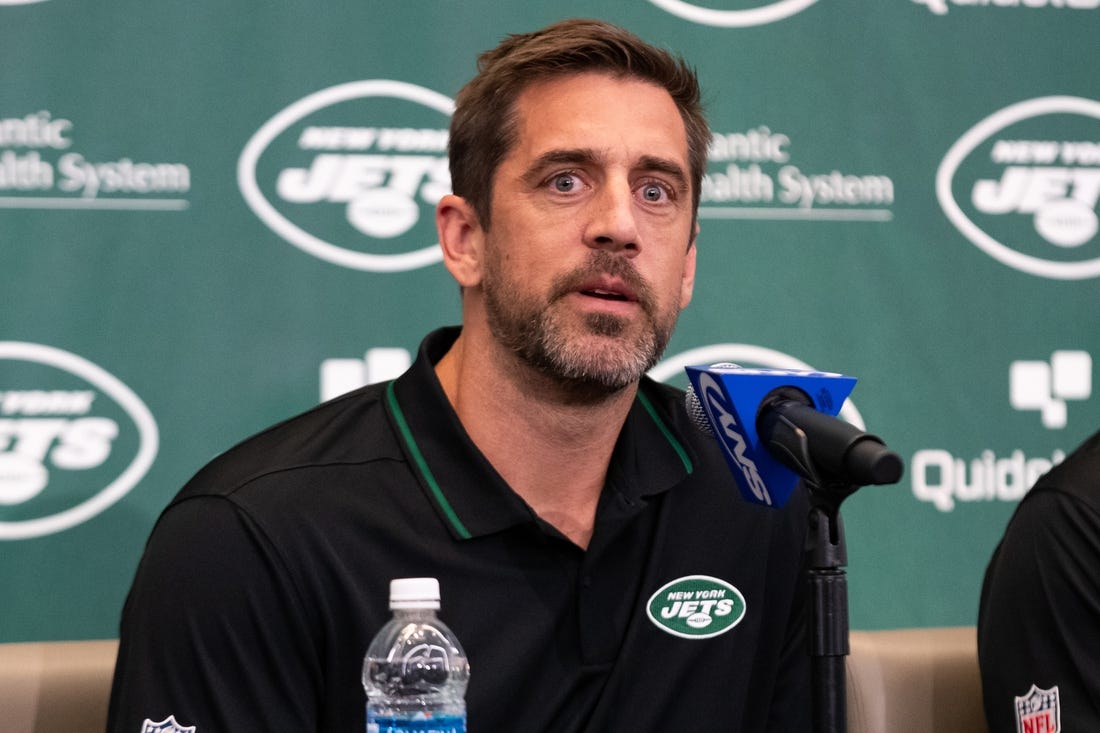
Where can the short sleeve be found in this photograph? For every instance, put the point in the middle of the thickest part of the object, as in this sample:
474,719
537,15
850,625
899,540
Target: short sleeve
213,633
1039,622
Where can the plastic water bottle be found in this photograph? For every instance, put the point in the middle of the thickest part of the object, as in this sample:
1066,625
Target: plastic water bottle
415,671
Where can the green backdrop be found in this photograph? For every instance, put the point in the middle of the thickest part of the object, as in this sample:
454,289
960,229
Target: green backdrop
214,213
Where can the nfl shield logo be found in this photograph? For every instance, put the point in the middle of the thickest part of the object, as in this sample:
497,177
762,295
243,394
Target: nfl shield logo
168,725
1038,711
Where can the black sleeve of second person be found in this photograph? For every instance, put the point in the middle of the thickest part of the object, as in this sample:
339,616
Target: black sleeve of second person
1039,621
212,632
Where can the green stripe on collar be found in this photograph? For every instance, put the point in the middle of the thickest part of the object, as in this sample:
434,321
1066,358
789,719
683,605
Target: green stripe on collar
676,445
422,465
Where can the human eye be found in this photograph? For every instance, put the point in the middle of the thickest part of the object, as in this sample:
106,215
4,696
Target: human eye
655,192
565,182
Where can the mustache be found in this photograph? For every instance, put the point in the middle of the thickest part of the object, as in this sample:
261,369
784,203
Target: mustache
600,262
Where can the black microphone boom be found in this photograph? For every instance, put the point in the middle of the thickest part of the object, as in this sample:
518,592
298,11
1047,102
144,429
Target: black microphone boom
836,451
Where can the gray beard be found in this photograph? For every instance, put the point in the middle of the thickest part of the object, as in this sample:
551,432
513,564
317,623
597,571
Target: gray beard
557,351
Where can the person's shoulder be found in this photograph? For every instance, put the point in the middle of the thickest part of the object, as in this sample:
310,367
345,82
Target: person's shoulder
351,428
1060,514
1076,480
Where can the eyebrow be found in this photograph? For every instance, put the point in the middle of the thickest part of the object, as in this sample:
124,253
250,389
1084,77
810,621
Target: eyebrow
568,156
586,156
666,167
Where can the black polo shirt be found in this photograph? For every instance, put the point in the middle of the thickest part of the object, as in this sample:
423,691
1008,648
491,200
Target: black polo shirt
1039,619
265,579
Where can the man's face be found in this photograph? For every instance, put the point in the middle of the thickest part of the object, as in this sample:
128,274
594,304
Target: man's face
590,256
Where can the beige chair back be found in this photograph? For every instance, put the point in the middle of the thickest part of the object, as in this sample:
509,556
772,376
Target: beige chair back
915,681
899,681
55,687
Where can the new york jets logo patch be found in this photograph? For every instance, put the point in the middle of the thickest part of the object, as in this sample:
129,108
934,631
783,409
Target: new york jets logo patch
696,607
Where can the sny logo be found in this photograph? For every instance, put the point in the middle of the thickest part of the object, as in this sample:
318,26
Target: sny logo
733,440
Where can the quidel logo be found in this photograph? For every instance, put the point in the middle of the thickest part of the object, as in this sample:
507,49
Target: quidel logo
939,7
1045,386
696,607
73,440
352,173
1023,184
765,12
943,479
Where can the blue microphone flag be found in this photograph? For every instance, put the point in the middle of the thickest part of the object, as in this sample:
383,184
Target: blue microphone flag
730,398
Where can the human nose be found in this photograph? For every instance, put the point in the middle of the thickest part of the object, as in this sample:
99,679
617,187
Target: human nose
612,224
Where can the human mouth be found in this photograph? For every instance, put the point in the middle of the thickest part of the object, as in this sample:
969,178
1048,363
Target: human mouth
605,295
607,285
608,289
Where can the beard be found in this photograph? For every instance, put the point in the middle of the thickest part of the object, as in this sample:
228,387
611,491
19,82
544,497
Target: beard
591,359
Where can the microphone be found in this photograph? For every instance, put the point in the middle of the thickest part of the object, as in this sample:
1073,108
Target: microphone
772,432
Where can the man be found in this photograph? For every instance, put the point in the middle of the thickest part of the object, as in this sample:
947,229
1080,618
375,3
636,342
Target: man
1039,619
595,560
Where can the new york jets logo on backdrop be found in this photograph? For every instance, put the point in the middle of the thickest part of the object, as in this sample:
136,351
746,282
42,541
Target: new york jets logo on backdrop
743,13
696,607
73,440
351,174
1023,184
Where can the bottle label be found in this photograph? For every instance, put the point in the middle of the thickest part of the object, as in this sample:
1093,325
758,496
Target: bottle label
417,724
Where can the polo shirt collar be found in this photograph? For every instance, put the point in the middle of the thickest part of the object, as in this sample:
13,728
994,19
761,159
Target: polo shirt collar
470,496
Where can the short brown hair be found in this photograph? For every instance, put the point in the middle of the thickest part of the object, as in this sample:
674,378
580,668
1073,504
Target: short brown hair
483,128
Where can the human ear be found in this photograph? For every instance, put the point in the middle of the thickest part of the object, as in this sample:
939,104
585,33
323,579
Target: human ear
461,238
687,280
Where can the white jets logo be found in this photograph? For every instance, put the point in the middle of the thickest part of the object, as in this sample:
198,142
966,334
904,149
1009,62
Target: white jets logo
767,13
1053,179
382,176
67,428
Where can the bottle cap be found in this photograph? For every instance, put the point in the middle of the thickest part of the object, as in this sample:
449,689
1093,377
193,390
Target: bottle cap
414,593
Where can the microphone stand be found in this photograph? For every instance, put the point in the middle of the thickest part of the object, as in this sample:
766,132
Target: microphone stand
848,453
829,648
827,556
